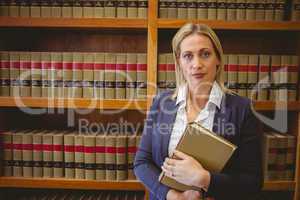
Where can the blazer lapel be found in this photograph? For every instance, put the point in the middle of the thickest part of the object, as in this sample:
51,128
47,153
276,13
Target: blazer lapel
222,116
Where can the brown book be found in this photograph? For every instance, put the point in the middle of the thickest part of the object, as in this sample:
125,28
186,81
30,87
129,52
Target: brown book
191,9
46,73
77,75
90,156
202,9
172,9
222,10
69,155
7,153
131,151
120,76
290,157
260,10
79,156
48,154
35,8
58,154
212,10
110,76
77,9
46,9
132,8
293,78
110,8
24,6
110,156
37,141
275,77
163,9
241,10
182,9
14,10
14,73
263,77
161,76
27,152
56,8
67,9
4,73
99,9
142,9
141,76
88,75
252,76
269,152
17,153
100,157
131,75
279,10
99,71
269,10
121,9
36,74
57,74
211,150
67,74
243,61
232,7
250,10
281,156
4,8
295,11
25,74
88,8
121,158
232,72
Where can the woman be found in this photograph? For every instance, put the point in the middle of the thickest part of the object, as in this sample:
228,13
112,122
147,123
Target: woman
200,96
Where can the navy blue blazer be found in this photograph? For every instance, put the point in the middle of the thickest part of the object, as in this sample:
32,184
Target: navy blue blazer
242,175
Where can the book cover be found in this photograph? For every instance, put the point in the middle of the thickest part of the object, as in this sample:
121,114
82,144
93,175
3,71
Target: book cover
202,9
241,10
172,9
121,76
279,10
293,78
67,74
36,74
260,10
222,10
212,10
4,73
48,154
283,83
24,6
7,138
67,9
79,156
281,156
110,9
35,8
14,73
37,154
290,157
191,9
69,155
141,76
56,8
269,152
250,10
77,75
90,156
142,9
25,74
269,10
99,9
110,76
131,75
99,71
100,157
263,77
57,74
182,9
110,157
58,154
27,152
252,76
232,72
4,8
295,10
17,153
77,11
88,75
88,8
14,9
275,77
46,7
220,150
131,151
121,9
46,73
163,9
121,158
243,61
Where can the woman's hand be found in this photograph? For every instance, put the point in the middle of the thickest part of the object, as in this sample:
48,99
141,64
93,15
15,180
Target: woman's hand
185,169
187,195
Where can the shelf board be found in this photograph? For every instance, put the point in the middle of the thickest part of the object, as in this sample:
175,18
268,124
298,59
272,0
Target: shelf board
271,105
73,23
233,25
279,186
16,182
73,103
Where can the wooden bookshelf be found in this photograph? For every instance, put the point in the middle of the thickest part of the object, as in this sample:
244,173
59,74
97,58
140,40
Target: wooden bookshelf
54,183
279,186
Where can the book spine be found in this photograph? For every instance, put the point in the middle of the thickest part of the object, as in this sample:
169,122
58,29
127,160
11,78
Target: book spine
90,157
243,61
202,9
283,83
99,79
100,157
121,158
121,9
4,8
7,153
163,9
25,74
88,75
279,9
132,8
170,72
110,76
241,10
37,154
4,73
79,157
69,155
182,9
36,74
281,156
290,157
252,76
99,9
17,154
27,148
141,76
191,9
35,8
269,10
46,8
88,8
293,78
212,10
260,10
67,9
250,10
225,69
110,157
24,7
131,150
48,155
58,155
222,10
77,75
14,73
120,76
142,9
57,74
263,77
56,9
161,76
131,75
77,10
67,74
275,77
232,72
46,74
172,9
14,10
295,10
110,9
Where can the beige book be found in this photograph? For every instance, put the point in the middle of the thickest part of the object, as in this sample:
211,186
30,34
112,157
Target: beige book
295,10
4,8
121,76
131,151
110,157
263,77
283,83
35,8
132,9
46,9
202,9
14,10
90,156
293,78
46,73
110,9
121,9
14,73
191,9
142,9
24,7
232,72
250,10
252,76
7,153
88,8
275,77
48,155
141,76
77,75
17,154
121,158
88,75
224,70
281,156
110,76
79,156
37,154
269,154
170,72
27,152
77,9
57,74
67,74
4,74
260,10
56,9
100,157
25,74
69,155
241,10
172,9
36,74
290,157
182,9
232,7
269,10
161,75
243,61
279,10
58,154
131,77
163,9
99,9
99,79
210,149
222,11
67,9
212,10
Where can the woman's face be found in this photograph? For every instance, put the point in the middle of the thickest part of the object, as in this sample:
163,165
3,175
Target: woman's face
198,60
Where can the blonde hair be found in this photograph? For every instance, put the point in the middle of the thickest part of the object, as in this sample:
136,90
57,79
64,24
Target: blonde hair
201,29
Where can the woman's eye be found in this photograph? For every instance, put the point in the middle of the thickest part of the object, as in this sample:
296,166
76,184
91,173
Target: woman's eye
205,54
187,56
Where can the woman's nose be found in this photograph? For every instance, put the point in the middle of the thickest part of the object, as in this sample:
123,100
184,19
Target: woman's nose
197,63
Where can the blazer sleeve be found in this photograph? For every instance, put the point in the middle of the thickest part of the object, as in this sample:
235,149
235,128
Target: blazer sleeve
144,167
245,178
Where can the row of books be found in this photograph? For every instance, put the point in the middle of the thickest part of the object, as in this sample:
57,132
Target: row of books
261,77
74,8
271,10
74,75
67,154
279,154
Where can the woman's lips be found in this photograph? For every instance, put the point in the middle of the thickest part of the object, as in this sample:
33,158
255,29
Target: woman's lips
198,75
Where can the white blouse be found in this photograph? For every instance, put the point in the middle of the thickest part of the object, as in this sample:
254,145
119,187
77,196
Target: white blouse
205,116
